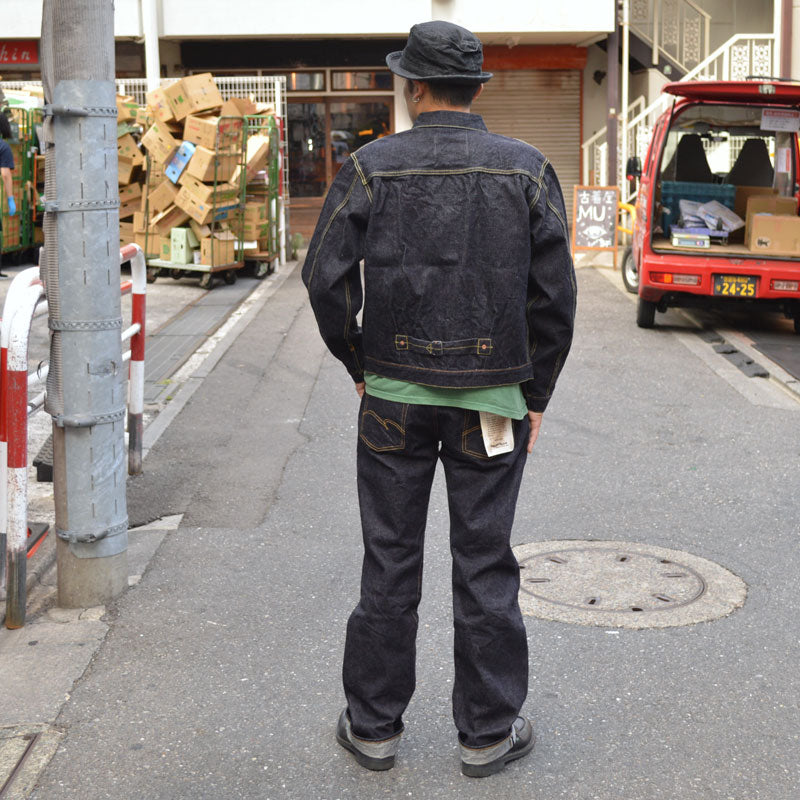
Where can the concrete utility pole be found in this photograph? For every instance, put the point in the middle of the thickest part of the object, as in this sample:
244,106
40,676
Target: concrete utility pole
80,268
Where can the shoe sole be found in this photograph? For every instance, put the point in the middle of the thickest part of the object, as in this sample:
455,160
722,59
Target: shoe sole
498,765
375,764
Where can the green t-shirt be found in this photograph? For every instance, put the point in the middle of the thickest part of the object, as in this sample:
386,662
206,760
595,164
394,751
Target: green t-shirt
507,401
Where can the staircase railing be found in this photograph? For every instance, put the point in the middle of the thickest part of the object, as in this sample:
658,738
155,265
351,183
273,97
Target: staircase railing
677,29
741,56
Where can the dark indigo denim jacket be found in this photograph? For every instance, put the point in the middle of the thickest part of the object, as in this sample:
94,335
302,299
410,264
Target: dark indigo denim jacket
467,269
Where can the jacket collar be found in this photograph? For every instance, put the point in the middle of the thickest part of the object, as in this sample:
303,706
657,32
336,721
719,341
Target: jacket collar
446,119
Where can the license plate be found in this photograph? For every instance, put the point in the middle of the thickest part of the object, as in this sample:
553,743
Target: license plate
735,285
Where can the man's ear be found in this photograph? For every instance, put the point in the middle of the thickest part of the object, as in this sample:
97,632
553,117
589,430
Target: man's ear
478,93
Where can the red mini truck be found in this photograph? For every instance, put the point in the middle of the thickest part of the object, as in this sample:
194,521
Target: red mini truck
716,211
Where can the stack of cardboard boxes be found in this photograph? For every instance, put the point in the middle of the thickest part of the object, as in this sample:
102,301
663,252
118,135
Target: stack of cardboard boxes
194,174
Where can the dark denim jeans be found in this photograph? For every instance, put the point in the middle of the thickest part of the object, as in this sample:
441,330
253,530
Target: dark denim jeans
397,452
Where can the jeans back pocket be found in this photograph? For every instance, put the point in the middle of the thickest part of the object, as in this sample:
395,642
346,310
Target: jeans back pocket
383,424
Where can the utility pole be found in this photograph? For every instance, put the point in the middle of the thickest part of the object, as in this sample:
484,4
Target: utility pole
80,269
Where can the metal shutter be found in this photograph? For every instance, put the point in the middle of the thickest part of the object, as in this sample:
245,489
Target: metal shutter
543,108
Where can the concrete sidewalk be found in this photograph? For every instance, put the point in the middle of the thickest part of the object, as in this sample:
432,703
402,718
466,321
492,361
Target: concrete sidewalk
217,674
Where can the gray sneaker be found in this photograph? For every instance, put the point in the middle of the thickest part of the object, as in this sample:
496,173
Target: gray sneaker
377,755
484,761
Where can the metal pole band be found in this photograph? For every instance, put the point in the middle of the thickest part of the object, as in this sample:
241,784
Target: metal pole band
51,110
87,538
81,205
88,420
85,325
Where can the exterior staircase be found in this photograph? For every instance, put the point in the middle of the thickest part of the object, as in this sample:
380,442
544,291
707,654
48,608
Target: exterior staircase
678,32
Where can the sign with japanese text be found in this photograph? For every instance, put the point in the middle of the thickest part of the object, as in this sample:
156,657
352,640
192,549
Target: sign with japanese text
594,218
18,52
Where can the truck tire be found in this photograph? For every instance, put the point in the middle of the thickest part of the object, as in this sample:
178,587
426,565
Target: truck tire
645,313
630,273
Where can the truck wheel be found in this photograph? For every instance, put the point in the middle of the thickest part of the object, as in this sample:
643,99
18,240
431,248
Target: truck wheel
630,273
229,276
645,313
152,274
206,280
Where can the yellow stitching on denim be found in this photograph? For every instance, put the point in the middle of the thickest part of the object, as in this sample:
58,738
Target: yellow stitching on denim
361,175
384,422
465,432
539,182
328,227
464,171
460,127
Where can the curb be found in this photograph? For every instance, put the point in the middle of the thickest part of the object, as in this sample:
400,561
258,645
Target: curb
777,374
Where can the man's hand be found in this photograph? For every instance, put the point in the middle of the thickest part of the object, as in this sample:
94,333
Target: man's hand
360,387
536,423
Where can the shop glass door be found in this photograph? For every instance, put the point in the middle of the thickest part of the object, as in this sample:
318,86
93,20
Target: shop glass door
323,132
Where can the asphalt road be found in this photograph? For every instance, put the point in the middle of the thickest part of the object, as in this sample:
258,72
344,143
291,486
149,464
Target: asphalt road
219,677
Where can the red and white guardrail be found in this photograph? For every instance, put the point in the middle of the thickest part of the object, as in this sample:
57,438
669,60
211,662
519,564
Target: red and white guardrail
25,294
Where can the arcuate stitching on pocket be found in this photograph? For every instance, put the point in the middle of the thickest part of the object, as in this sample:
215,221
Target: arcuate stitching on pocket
384,422
465,437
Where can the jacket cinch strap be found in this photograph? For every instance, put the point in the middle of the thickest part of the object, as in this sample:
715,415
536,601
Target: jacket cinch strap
436,347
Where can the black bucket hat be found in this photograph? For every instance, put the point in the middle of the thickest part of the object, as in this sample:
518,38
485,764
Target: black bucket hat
440,51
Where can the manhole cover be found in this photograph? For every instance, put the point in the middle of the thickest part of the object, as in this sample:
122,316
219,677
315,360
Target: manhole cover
623,585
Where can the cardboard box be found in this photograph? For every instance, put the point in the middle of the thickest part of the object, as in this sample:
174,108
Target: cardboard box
214,133
767,204
201,92
177,164
145,116
256,158
162,196
238,107
225,194
159,143
199,211
180,245
169,102
204,231
126,171
745,192
139,222
131,192
168,219
126,108
129,207
202,165
215,252
774,234
127,147
152,245
126,232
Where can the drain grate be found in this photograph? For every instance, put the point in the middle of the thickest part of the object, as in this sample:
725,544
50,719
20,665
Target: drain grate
623,584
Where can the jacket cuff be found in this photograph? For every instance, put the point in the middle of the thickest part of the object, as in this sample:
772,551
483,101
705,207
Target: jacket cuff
537,404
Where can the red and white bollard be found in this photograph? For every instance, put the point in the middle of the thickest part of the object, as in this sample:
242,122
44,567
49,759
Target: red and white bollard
16,408
136,375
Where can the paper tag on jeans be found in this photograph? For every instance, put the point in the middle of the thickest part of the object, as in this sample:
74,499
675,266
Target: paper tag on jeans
498,434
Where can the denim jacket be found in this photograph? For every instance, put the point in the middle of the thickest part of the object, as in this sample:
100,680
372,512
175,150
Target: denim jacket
468,278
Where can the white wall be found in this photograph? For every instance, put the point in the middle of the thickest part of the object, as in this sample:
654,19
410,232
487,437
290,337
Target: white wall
253,18
22,19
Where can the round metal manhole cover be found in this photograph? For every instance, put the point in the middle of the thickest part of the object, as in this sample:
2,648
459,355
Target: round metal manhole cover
623,585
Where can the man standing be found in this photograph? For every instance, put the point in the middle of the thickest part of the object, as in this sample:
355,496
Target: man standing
469,304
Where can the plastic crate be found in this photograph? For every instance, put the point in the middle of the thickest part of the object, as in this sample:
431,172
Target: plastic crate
673,191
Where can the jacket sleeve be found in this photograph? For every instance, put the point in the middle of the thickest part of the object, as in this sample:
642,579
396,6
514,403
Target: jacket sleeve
551,291
332,272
